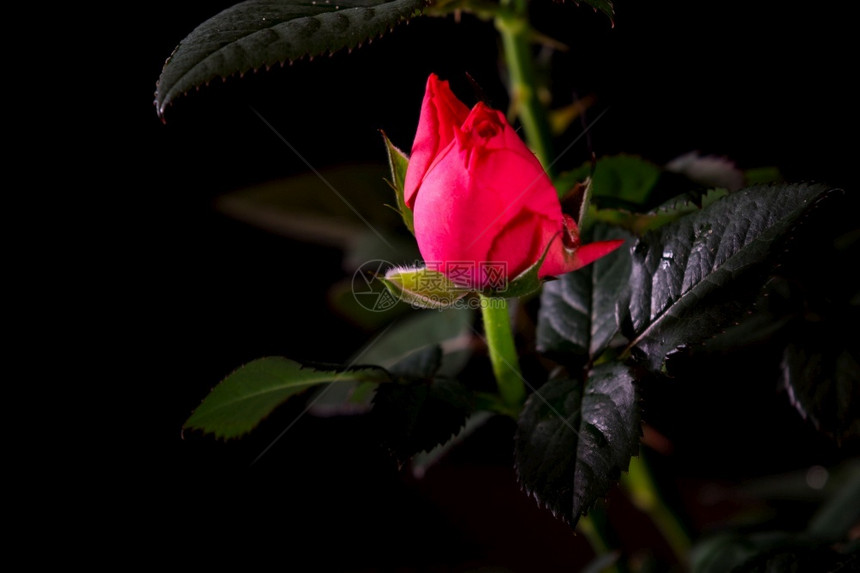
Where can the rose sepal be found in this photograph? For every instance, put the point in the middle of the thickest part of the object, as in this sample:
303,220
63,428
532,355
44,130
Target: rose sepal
399,162
423,288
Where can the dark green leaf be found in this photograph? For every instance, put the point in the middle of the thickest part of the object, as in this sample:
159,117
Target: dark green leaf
420,364
802,557
577,315
696,275
823,384
305,206
423,461
771,552
731,551
835,518
802,314
262,33
245,397
380,245
342,298
417,330
604,6
636,223
758,175
816,292
818,295
821,547
690,202
640,223
572,444
417,412
625,177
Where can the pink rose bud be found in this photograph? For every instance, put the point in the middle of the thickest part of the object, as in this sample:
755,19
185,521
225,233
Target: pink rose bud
481,200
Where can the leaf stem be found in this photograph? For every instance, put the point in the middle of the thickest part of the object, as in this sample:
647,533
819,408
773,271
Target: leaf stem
639,484
587,527
513,25
503,352
592,526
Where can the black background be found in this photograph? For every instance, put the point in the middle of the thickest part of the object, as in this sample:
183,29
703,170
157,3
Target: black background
193,294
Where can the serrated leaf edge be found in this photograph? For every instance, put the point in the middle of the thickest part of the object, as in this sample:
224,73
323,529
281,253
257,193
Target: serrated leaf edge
163,102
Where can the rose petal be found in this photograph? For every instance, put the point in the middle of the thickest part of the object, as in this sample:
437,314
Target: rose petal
441,113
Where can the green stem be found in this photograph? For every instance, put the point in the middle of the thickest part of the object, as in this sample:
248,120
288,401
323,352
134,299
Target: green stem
512,22
587,527
503,352
593,527
641,487
513,26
